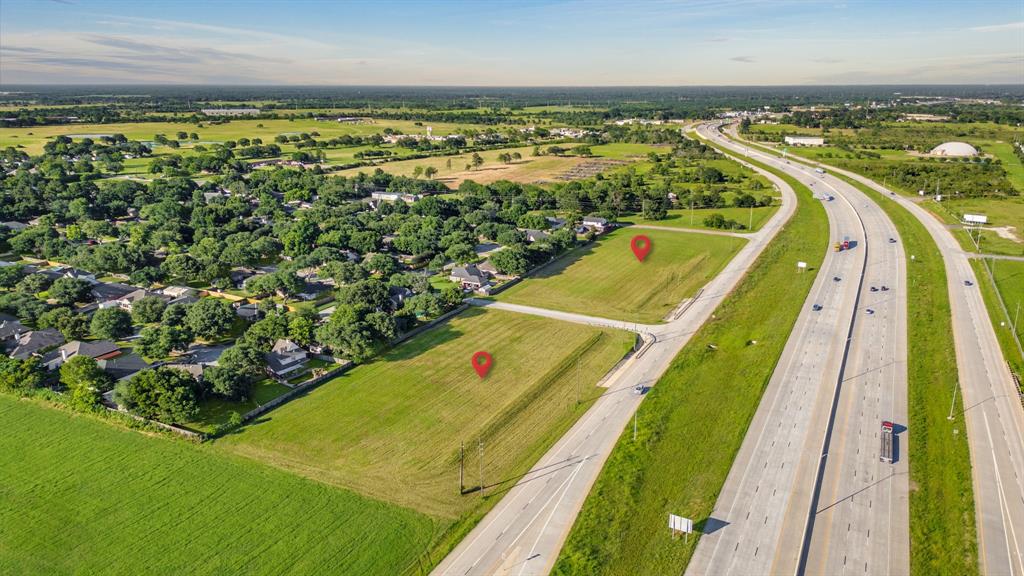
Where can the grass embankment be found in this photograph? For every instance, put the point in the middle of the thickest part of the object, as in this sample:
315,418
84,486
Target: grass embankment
78,496
693,423
605,278
682,217
943,539
1009,281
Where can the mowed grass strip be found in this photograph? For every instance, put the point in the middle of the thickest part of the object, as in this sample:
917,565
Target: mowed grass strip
1009,280
695,418
943,538
78,496
605,278
391,429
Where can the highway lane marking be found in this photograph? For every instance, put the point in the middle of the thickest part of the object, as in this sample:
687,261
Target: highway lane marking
567,482
1004,507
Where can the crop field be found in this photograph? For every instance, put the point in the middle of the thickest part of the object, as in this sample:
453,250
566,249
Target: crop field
684,218
82,497
33,138
527,170
675,464
391,429
605,279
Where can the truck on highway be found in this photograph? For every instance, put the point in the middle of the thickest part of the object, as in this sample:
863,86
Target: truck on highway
887,440
838,247
846,242
820,171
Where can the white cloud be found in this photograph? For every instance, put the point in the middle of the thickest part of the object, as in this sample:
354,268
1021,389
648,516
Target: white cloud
999,27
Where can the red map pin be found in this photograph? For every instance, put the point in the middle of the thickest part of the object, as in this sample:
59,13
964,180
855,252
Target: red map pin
482,363
641,246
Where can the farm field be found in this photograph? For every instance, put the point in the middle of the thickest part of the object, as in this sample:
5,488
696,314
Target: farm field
681,217
33,138
620,529
605,279
527,170
83,497
391,429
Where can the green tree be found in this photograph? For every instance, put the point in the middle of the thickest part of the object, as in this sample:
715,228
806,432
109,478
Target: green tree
429,172
20,375
165,394
477,161
73,326
148,309
70,290
85,381
111,323
209,318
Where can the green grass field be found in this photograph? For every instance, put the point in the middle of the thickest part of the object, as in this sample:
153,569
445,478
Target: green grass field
605,279
216,411
682,218
675,463
79,496
33,138
391,429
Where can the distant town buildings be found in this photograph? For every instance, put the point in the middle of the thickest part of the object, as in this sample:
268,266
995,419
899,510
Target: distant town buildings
231,111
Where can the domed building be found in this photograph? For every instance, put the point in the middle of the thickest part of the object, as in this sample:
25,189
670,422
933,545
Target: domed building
958,149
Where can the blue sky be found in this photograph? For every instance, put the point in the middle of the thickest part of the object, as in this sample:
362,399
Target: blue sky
511,43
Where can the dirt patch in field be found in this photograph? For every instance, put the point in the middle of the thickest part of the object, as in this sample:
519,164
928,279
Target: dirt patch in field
589,169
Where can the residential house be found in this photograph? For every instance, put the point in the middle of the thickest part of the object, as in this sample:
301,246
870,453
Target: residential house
596,223
194,370
123,366
107,291
180,295
398,295
248,311
239,276
35,342
286,357
99,349
535,235
555,223
127,301
70,272
10,328
470,277
14,226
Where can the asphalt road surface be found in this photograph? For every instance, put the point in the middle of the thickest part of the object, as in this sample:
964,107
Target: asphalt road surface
841,364
994,416
524,532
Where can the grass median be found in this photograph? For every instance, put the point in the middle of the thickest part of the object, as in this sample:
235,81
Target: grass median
693,423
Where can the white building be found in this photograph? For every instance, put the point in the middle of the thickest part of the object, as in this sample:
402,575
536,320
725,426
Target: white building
805,140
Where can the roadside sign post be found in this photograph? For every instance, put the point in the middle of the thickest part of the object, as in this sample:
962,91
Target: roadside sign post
679,524
801,266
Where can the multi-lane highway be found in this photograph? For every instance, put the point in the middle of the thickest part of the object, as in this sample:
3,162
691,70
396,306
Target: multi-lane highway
994,417
814,444
524,532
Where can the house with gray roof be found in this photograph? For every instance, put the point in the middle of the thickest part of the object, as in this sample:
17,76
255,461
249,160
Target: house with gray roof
122,367
470,277
35,342
98,349
286,357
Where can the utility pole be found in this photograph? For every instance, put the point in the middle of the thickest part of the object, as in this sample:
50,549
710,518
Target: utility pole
953,401
750,225
462,467
480,445
1016,315
634,423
